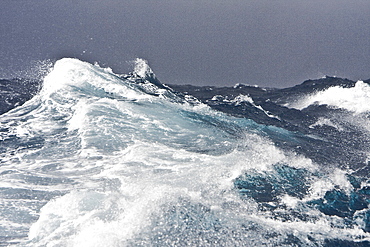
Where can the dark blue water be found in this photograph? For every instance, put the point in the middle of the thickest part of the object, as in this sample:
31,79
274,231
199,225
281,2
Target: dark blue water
92,158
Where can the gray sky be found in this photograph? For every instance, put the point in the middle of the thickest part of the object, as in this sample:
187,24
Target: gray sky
276,43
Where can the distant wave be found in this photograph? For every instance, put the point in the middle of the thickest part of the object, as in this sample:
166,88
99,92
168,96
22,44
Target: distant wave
353,99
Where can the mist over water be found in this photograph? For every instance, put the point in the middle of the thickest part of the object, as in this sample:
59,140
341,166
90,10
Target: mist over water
101,159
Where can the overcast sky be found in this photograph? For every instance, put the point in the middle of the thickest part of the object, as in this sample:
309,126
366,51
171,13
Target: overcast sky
275,43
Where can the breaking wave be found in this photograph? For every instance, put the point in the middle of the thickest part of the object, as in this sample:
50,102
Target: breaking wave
100,159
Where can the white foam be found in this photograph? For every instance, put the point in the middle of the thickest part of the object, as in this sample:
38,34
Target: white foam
353,99
148,176
142,68
325,121
242,98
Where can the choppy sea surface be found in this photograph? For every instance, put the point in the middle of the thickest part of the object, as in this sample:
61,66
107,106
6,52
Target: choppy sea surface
93,158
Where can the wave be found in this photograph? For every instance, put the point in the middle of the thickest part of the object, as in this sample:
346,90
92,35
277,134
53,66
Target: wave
352,99
101,159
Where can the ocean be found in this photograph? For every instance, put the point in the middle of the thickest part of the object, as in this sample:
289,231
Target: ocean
94,158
